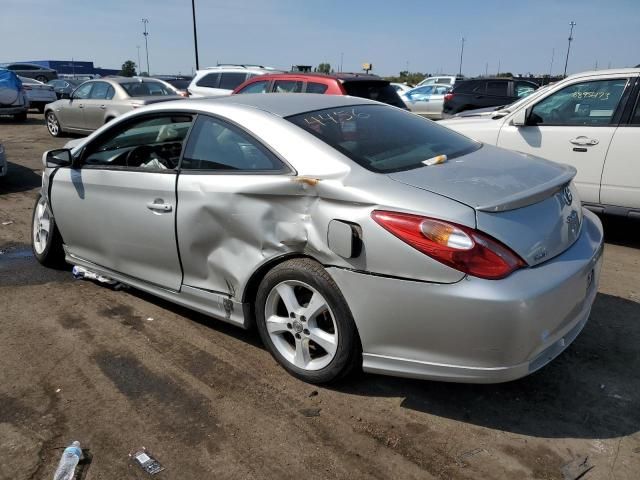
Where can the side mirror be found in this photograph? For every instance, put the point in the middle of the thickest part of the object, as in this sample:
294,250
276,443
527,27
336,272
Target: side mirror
520,117
60,157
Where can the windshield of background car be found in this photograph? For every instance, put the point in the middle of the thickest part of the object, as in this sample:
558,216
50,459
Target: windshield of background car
383,139
146,89
374,90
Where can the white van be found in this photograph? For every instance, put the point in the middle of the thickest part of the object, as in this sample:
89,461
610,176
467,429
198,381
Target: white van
223,79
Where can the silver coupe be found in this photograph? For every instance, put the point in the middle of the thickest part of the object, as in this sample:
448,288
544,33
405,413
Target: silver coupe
97,102
351,233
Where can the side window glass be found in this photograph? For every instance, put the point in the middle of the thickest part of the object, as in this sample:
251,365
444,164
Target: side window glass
152,144
256,87
110,93
523,89
497,88
230,80
480,88
83,91
287,86
210,80
313,87
214,145
99,91
586,103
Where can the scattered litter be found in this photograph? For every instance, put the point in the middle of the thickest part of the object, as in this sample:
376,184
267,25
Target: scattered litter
8,222
314,393
67,466
85,274
58,390
602,386
435,160
576,469
310,412
149,319
146,461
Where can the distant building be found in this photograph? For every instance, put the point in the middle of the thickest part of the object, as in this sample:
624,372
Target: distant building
75,67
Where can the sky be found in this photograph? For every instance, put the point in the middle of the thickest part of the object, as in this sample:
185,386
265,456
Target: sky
425,36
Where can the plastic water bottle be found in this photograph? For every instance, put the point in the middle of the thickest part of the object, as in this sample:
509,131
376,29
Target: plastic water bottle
67,466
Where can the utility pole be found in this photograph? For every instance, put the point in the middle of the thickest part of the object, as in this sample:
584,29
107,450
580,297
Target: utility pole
195,33
486,69
553,54
138,47
461,53
566,62
341,60
498,74
146,44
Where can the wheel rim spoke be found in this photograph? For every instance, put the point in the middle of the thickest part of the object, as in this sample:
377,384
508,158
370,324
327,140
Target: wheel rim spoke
316,305
276,325
302,356
288,296
324,339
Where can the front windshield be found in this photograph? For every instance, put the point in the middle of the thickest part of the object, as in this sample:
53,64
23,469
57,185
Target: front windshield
383,139
517,103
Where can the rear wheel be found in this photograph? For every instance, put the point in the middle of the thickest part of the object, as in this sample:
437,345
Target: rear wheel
53,125
46,241
305,322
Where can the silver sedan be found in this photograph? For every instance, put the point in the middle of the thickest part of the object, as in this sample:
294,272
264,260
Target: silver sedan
352,233
97,102
427,100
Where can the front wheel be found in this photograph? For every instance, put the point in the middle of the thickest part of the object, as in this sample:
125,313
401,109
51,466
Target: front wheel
46,241
53,125
305,322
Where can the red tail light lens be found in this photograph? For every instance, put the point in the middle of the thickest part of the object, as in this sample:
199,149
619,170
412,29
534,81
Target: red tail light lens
459,247
448,96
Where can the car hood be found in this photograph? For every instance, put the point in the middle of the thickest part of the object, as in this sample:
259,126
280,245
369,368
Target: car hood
478,119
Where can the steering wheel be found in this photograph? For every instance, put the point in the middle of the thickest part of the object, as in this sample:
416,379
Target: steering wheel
142,154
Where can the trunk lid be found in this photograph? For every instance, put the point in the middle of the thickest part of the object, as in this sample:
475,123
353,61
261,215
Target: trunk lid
527,203
146,100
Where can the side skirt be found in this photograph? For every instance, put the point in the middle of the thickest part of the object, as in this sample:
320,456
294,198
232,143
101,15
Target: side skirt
214,304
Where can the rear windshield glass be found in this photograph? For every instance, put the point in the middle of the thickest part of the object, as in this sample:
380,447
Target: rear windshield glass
179,84
383,139
145,89
374,90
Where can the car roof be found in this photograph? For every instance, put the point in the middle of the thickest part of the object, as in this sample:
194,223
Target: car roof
117,79
280,104
343,76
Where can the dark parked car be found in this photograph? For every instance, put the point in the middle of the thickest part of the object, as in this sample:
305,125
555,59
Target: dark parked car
31,70
179,82
485,92
354,84
64,87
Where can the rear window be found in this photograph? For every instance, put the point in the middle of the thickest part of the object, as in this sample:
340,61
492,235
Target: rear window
374,90
146,89
210,80
467,87
313,87
383,139
180,84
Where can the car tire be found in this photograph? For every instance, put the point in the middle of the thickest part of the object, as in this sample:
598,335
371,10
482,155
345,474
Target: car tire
46,241
42,78
20,117
319,349
53,125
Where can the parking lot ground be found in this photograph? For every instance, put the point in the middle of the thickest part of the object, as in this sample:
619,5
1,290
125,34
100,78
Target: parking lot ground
117,370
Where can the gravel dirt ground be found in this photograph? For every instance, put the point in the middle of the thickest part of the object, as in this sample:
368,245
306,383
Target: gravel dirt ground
117,370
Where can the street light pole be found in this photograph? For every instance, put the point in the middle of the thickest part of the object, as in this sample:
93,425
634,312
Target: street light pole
138,47
146,45
461,53
195,33
566,62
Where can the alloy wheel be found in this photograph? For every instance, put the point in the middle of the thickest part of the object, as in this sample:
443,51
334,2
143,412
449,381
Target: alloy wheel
41,226
301,325
53,125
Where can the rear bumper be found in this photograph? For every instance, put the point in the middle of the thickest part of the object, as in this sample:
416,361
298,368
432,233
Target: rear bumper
476,330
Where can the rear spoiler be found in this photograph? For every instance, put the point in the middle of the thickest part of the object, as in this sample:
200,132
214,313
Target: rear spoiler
532,195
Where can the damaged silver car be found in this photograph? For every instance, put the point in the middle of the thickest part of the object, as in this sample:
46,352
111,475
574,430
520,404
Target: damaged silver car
352,233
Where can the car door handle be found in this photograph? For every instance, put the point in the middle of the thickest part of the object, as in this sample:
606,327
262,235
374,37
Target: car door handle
80,105
103,107
584,141
159,206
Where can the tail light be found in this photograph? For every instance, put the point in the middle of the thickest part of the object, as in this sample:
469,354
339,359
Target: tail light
448,97
457,246
183,93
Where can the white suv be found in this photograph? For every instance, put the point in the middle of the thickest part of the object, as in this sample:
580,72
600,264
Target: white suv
590,120
223,79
